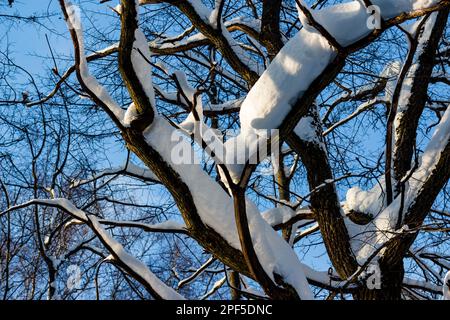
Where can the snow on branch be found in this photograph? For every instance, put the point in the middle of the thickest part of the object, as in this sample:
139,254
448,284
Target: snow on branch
165,227
135,68
95,90
141,272
158,288
130,169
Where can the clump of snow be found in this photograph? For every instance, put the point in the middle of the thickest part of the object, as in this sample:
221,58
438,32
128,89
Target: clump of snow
369,202
279,215
390,9
130,115
309,128
306,129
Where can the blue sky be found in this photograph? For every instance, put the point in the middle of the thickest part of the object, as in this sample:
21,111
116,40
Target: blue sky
27,41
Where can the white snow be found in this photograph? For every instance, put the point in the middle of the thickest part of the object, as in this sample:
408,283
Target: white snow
130,115
300,61
167,44
390,9
74,21
431,156
308,129
140,58
279,215
66,205
369,202
266,106
119,252
305,56
341,20
166,225
232,104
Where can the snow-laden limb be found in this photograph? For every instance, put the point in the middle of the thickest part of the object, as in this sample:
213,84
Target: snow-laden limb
196,273
140,58
190,42
369,238
217,285
208,22
422,285
168,226
213,204
332,281
61,203
223,108
300,61
338,20
294,67
135,68
446,287
279,215
432,154
215,208
390,9
438,259
92,85
129,169
363,107
138,268
411,94
303,233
